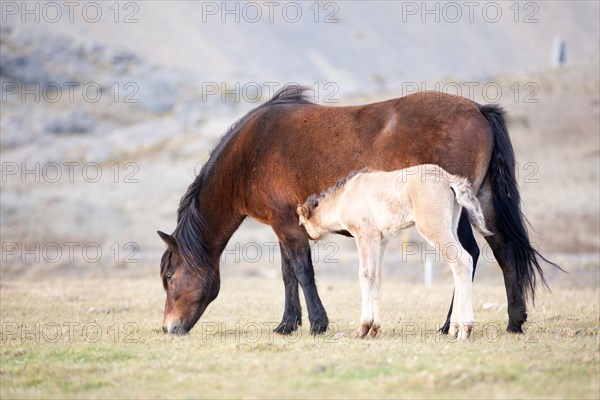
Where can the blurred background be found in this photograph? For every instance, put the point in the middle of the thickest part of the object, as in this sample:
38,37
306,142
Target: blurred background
109,110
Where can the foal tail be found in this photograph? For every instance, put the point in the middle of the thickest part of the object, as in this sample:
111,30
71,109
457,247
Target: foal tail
465,198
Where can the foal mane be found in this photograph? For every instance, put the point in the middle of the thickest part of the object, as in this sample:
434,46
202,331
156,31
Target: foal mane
190,221
313,200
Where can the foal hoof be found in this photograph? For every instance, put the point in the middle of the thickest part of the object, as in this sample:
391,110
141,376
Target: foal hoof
367,329
374,330
460,332
453,330
466,331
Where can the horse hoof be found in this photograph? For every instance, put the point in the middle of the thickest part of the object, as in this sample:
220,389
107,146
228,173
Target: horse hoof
318,329
513,328
319,326
287,327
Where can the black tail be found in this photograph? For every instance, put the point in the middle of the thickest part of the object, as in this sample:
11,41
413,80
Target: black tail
510,221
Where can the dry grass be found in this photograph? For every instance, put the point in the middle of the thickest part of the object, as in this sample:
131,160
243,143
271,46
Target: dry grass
48,351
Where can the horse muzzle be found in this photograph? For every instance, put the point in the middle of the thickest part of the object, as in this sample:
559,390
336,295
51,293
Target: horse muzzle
175,328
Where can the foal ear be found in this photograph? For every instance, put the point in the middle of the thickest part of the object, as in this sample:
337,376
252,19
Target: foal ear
169,240
302,211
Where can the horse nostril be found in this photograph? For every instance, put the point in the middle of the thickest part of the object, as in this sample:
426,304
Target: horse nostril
165,330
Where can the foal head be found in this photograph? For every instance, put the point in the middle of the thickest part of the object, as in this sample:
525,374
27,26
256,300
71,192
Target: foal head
310,217
317,214
189,291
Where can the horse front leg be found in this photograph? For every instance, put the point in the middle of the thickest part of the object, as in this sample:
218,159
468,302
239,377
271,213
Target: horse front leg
292,313
296,247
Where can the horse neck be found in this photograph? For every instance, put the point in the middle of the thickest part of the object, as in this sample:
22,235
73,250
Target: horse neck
219,205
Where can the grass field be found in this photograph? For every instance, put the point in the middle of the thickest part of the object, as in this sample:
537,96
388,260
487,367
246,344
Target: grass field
102,338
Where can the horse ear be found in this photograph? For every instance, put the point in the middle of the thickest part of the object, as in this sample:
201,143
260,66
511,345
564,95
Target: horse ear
169,240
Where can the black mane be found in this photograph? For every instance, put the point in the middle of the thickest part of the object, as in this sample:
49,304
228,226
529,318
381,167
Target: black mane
189,218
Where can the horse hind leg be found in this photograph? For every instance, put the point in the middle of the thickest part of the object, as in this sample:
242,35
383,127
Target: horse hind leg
506,258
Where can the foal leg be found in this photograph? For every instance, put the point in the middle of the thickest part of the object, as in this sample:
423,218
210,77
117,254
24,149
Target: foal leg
461,264
468,242
292,313
369,277
461,320
376,290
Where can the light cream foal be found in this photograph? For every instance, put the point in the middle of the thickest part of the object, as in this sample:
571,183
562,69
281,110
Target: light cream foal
374,205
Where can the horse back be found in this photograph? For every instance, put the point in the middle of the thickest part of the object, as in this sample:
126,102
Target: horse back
298,149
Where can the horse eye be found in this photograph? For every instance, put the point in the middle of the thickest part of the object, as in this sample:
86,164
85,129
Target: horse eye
168,277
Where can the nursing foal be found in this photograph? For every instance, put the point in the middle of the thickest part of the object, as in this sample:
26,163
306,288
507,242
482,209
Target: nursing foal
374,205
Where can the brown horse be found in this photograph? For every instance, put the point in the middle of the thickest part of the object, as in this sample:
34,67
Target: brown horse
278,154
